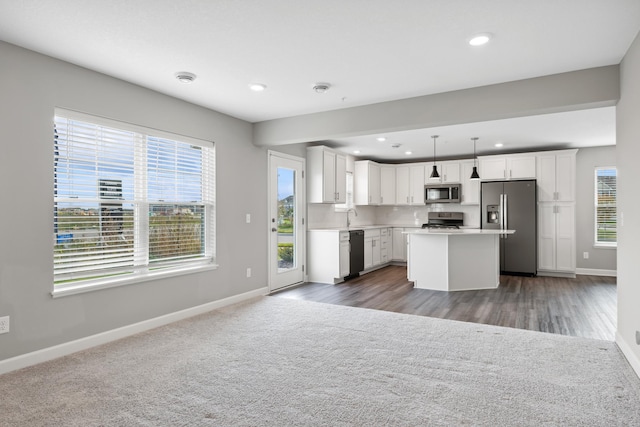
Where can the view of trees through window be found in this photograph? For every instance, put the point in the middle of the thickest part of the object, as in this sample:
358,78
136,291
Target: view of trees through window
606,212
125,201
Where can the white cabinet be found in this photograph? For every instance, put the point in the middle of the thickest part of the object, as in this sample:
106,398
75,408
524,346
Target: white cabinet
410,180
366,182
386,245
512,166
556,176
326,175
416,184
387,185
402,184
470,187
449,172
328,256
371,248
399,252
399,244
556,237
345,253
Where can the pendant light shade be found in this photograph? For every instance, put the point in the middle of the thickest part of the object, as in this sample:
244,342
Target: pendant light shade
434,172
474,174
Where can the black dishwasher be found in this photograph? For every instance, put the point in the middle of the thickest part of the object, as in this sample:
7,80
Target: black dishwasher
356,255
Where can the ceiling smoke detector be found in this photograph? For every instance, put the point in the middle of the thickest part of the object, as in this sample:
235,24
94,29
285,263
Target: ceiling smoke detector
185,77
321,87
395,145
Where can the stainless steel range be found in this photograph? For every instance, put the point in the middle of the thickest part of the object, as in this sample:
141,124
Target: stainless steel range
444,220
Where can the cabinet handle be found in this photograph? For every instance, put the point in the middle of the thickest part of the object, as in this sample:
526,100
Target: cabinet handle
369,199
407,199
381,199
510,173
411,199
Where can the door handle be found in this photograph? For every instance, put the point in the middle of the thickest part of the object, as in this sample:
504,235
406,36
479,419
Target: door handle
274,229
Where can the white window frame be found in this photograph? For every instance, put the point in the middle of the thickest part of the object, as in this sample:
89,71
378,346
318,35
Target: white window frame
145,271
348,204
599,244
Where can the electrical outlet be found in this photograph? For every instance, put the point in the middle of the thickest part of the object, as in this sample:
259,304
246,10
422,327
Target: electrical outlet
248,272
4,324
585,255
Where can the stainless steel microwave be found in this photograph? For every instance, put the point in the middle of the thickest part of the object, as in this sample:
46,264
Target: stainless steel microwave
442,193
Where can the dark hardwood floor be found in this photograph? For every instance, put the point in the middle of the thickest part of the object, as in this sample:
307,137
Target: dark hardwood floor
583,307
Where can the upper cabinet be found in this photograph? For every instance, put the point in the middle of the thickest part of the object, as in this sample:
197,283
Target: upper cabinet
410,180
449,172
387,184
510,166
366,183
556,176
470,187
326,175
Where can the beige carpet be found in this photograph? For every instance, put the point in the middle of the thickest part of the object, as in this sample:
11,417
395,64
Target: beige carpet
282,362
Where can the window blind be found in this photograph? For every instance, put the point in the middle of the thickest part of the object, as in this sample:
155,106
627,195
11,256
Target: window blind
605,201
128,201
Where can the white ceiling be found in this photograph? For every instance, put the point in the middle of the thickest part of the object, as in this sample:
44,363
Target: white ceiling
369,50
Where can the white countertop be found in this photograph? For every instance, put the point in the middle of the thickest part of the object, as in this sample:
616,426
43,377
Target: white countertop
458,232
370,227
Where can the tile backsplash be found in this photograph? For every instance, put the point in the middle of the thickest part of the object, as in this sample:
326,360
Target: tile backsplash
325,216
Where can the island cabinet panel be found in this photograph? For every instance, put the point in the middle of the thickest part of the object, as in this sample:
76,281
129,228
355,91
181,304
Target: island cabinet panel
455,260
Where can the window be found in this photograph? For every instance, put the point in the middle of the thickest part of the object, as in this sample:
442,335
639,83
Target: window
605,202
129,202
343,207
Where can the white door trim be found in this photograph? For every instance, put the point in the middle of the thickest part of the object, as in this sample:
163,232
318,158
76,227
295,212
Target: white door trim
301,193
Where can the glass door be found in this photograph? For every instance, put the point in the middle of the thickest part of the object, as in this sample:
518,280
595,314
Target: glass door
286,221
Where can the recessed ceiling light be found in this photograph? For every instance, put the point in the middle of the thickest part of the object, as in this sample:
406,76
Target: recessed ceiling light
408,153
480,39
257,87
356,151
185,77
321,87
381,139
499,144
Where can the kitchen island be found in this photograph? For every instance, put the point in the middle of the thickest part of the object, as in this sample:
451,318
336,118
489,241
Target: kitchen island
454,260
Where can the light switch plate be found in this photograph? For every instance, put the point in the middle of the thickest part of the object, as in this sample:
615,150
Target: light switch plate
248,218
4,324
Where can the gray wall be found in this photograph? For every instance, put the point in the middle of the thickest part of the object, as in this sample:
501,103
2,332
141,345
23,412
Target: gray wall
31,85
586,161
628,155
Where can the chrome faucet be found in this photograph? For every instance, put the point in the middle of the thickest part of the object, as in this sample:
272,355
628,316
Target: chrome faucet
348,220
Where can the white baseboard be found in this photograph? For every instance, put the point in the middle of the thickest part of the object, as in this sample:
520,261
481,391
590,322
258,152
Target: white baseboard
70,347
597,272
630,355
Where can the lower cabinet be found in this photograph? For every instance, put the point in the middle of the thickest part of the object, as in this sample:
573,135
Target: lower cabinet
371,248
556,238
345,253
328,255
400,243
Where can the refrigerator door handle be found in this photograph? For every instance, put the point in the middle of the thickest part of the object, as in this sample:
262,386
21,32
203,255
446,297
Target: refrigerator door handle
501,214
506,217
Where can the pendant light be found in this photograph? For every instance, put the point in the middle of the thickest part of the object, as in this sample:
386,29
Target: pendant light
434,172
474,174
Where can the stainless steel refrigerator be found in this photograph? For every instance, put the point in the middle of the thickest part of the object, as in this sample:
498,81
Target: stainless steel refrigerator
512,205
